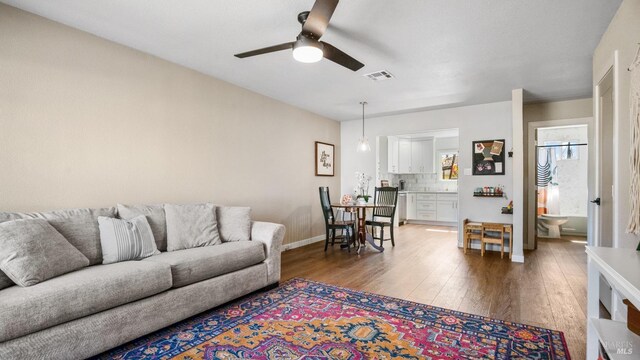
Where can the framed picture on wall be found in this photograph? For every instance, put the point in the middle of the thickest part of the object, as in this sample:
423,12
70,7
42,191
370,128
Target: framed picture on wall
488,157
325,159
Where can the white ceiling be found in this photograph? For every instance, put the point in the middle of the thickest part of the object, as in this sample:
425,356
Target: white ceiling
442,53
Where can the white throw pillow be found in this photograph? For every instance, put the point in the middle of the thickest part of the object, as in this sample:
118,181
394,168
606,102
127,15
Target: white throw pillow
191,226
234,223
123,240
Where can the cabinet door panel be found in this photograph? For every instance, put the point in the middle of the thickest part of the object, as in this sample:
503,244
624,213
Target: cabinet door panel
392,153
404,156
411,206
417,156
447,211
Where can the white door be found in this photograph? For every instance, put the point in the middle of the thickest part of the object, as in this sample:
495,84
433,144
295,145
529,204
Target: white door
602,200
404,156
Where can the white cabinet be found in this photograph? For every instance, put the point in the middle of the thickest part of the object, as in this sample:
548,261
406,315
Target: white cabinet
422,156
411,206
410,156
426,207
404,156
447,208
392,153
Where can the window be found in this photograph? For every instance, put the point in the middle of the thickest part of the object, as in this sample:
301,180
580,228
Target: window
448,169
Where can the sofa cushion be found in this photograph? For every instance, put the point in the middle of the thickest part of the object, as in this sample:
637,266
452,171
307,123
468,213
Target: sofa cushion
155,216
78,294
78,226
234,223
192,265
32,251
124,240
190,226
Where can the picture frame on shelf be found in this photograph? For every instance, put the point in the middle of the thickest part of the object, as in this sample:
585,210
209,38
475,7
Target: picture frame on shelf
325,159
488,157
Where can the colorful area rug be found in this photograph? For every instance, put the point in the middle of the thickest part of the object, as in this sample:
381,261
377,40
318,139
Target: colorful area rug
308,320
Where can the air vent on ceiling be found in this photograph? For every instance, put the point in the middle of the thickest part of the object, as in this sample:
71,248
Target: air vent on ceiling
379,75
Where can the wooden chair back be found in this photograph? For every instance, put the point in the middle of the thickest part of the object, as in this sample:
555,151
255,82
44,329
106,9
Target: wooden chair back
492,233
325,202
385,196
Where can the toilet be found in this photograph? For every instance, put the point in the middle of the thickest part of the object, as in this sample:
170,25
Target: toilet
553,223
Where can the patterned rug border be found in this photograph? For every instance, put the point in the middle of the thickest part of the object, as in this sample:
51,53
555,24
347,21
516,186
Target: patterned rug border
248,299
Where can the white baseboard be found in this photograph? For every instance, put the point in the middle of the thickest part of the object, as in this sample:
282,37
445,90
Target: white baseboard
304,242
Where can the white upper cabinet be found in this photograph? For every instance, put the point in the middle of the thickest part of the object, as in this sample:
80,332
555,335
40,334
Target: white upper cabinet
422,156
404,156
392,151
410,156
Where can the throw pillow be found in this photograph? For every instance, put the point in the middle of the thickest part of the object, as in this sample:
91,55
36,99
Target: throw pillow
190,226
234,223
123,240
155,217
32,251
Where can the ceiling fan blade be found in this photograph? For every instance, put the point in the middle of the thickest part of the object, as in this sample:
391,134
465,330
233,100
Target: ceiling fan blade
339,57
266,50
319,17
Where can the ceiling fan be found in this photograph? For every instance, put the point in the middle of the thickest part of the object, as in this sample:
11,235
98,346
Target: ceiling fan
307,48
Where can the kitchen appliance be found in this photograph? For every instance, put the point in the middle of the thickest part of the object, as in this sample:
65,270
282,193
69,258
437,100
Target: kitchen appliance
402,185
402,208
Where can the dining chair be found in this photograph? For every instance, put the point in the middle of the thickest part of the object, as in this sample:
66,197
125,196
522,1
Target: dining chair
383,216
472,231
332,225
493,233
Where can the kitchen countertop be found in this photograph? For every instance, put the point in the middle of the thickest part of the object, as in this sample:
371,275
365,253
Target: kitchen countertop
427,192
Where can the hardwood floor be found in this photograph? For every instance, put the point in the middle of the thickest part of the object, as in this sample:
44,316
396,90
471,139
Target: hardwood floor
426,266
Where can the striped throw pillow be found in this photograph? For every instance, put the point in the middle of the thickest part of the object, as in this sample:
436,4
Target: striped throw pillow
123,240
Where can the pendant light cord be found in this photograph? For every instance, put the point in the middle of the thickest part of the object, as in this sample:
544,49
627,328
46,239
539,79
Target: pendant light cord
363,104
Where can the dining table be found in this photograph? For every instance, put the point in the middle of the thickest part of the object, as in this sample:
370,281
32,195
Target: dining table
360,210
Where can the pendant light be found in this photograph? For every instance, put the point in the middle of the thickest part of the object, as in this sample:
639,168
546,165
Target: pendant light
363,143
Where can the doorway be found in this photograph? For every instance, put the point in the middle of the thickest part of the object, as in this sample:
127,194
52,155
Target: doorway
561,189
605,115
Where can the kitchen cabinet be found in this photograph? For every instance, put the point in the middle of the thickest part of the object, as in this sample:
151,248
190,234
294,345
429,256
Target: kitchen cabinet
410,156
411,206
436,207
422,156
447,208
392,154
404,156
426,207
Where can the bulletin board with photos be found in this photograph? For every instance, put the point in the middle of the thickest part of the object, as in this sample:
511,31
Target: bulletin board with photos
488,157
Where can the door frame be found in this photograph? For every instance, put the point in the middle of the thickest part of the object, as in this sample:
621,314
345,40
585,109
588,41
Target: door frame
595,151
531,170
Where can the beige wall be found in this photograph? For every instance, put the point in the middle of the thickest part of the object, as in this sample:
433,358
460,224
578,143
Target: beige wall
87,122
623,35
537,112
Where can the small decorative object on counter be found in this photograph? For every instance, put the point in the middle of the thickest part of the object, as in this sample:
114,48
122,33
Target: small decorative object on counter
508,209
489,191
346,199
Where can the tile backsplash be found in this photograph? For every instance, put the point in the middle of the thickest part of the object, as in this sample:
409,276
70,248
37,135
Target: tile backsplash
423,182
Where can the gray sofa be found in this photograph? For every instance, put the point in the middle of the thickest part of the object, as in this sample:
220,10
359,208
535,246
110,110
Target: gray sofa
99,307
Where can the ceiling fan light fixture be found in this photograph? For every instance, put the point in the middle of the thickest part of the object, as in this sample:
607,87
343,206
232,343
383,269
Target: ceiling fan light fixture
306,50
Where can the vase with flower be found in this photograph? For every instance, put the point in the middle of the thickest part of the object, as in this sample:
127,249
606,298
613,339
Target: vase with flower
361,190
